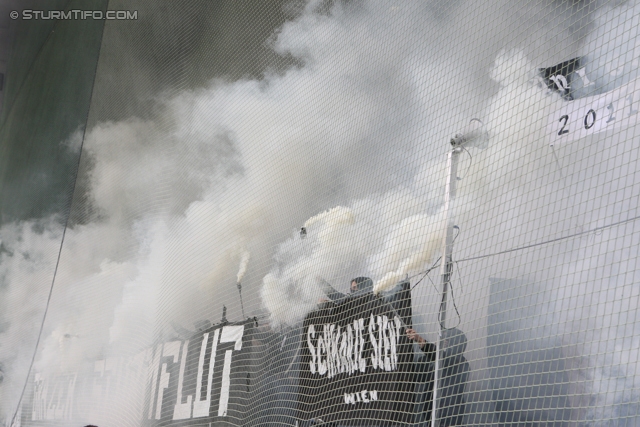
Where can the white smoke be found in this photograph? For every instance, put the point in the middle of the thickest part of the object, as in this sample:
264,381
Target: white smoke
354,138
526,192
409,247
292,292
244,262
28,254
612,51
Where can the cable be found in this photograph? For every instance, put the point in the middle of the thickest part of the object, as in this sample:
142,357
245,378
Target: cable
433,284
455,227
470,162
425,273
453,299
459,275
435,264
64,232
593,230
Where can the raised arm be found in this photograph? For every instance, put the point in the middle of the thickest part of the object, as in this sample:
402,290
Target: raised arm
428,348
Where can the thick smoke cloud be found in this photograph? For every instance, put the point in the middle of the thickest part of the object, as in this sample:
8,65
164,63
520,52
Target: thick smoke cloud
350,143
532,193
612,50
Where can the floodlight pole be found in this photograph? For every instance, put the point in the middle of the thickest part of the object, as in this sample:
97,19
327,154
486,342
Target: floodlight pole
446,263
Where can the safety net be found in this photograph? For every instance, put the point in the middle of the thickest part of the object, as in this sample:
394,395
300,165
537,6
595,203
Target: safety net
338,213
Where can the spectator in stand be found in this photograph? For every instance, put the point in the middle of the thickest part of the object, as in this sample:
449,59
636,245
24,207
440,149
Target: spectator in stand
454,375
359,286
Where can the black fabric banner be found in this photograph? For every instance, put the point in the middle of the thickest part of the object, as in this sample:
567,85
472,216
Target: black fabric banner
356,363
205,379
561,77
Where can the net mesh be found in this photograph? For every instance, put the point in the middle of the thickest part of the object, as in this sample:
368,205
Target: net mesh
339,213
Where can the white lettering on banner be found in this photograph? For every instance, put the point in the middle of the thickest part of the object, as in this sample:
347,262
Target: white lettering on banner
102,382
226,385
152,376
359,339
182,410
328,343
311,333
384,329
364,396
594,114
336,350
322,364
583,75
201,407
39,397
350,398
561,82
233,334
67,412
170,349
348,349
375,358
229,334
53,397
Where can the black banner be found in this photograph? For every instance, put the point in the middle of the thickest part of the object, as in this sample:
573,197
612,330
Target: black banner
205,379
356,364
569,79
201,380
559,77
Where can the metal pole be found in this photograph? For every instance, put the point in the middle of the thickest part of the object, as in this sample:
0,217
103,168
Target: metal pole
241,303
446,267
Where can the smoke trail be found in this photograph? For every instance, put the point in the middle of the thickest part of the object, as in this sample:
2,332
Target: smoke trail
612,51
409,247
358,132
27,256
244,262
579,283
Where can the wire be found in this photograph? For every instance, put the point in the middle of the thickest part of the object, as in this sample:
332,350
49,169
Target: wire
435,264
433,284
453,299
470,162
557,239
459,275
64,232
455,227
425,273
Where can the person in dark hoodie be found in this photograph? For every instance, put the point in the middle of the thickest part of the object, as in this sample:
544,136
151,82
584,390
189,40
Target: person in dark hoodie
359,286
424,355
454,374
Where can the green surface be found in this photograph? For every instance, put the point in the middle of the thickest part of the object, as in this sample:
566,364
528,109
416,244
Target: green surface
48,91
